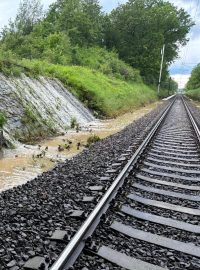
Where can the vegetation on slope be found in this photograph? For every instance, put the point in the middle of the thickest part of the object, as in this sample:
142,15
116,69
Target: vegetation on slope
104,84
194,81
194,94
103,94
137,30
193,85
2,120
105,58
94,58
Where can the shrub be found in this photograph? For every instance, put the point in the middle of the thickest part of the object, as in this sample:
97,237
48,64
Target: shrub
29,116
92,139
2,119
73,122
107,62
193,94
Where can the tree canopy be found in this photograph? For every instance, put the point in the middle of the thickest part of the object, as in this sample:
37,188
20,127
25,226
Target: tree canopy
80,19
135,30
138,30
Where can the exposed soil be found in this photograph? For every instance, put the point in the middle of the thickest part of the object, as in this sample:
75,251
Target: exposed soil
20,165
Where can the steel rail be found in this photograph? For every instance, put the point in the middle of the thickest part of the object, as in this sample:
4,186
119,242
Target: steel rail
193,121
75,246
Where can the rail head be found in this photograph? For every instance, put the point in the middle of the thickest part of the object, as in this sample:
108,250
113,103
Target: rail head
75,246
193,121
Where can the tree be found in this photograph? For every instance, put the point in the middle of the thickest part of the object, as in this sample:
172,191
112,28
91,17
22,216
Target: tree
170,85
194,81
16,33
80,19
138,30
29,13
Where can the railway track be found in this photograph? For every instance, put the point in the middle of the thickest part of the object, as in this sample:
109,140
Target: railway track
153,222
149,218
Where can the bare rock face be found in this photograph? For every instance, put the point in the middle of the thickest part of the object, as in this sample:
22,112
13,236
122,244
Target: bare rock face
35,107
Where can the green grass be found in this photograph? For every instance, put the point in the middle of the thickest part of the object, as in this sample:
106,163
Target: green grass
193,94
106,95
105,61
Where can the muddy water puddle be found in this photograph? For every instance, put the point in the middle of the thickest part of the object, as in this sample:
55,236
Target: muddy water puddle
27,161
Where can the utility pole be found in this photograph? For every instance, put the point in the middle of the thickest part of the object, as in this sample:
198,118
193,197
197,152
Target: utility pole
161,67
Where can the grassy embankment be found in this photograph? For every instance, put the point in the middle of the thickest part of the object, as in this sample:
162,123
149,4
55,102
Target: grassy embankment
106,95
193,94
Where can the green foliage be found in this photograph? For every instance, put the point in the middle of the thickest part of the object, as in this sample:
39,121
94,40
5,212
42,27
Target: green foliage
8,65
73,122
77,32
194,81
193,85
81,19
29,13
35,127
3,119
139,28
50,126
193,94
103,94
30,116
107,62
168,88
92,139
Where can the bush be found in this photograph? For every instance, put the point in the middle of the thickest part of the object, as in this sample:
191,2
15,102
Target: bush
193,94
29,117
92,139
2,119
8,64
73,122
105,61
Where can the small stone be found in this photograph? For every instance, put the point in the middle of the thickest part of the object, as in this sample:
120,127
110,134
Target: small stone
14,268
11,264
31,253
105,178
59,235
77,213
88,199
95,188
34,263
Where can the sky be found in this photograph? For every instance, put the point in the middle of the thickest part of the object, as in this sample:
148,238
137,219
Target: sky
189,56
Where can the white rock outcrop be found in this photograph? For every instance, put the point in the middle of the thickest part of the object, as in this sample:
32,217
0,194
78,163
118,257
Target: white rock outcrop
47,98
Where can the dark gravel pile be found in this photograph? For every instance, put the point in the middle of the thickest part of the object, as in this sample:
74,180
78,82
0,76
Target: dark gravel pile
30,213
